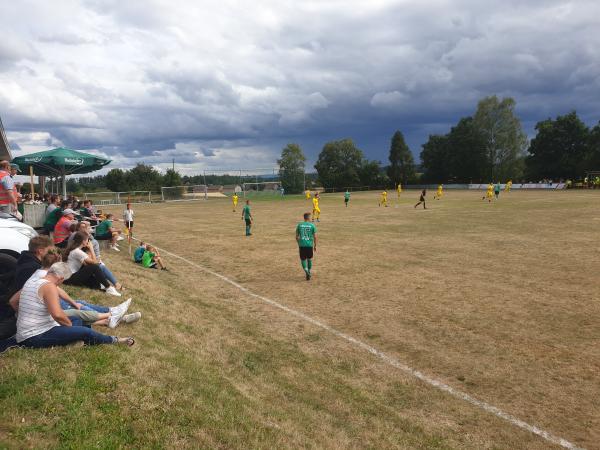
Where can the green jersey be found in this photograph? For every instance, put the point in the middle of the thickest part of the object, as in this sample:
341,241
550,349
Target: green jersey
246,212
103,228
306,232
147,259
347,196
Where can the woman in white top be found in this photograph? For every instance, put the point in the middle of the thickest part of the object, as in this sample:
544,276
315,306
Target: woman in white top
43,323
80,257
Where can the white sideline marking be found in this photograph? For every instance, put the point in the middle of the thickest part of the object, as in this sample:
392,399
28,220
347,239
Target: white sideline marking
390,360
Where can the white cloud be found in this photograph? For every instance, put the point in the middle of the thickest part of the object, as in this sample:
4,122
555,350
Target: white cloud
220,79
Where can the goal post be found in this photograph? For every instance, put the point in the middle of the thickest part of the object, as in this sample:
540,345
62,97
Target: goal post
118,198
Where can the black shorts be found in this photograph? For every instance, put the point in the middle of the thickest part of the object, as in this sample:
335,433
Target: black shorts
346,200
248,222
104,237
129,224
306,252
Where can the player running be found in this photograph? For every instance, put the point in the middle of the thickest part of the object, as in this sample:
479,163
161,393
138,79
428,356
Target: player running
383,199
399,190
508,186
489,193
316,212
306,236
247,216
307,194
422,198
346,197
497,190
439,193
234,200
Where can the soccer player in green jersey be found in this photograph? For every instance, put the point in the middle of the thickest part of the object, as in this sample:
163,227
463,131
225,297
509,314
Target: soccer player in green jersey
247,216
306,236
347,197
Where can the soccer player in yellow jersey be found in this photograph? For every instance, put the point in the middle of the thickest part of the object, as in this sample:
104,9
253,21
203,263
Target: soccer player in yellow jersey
439,193
399,189
489,194
307,194
383,199
316,212
234,199
508,186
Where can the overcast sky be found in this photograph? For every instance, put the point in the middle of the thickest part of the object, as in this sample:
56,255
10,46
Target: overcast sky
226,84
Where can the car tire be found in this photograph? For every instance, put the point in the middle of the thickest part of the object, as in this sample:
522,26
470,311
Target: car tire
8,265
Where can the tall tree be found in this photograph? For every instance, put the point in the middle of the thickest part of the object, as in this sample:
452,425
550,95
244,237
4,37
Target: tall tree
466,153
116,181
144,178
402,164
371,174
560,149
434,158
171,178
339,164
503,135
291,168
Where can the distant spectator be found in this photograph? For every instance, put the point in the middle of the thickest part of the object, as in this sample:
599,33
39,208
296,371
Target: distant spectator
62,229
87,212
106,232
8,196
128,219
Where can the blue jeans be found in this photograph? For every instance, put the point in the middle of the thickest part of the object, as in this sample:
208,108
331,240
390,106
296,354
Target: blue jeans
108,274
8,343
85,306
57,336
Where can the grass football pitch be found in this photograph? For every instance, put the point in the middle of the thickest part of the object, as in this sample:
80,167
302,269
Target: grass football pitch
497,300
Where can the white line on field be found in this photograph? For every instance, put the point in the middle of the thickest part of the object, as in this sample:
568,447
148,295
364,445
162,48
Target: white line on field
390,360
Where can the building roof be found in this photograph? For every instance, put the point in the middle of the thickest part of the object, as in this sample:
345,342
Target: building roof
4,148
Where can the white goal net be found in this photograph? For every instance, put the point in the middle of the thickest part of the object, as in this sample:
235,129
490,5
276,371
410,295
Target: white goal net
118,198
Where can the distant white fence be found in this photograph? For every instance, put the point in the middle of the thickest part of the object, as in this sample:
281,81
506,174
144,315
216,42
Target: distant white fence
522,186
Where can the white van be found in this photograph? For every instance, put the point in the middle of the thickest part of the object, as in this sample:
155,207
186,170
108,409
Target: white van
14,238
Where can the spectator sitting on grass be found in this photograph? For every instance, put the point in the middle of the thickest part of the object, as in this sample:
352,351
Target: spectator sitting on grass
73,309
152,259
138,254
84,266
106,232
40,315
86,227
30,261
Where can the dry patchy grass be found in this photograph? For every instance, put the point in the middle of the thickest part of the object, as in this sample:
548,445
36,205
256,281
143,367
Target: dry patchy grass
498,300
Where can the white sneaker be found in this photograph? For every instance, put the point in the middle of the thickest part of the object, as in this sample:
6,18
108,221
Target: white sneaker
102,287
133,317
122,308
112,291
115,248
114,320
120,238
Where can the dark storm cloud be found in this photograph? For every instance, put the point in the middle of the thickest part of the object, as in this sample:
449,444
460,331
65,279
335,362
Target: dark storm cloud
224,84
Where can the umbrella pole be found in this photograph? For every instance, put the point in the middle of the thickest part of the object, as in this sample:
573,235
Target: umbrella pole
31,182
64,185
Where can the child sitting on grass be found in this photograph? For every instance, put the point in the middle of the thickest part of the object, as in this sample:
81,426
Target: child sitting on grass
152,259
139,253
